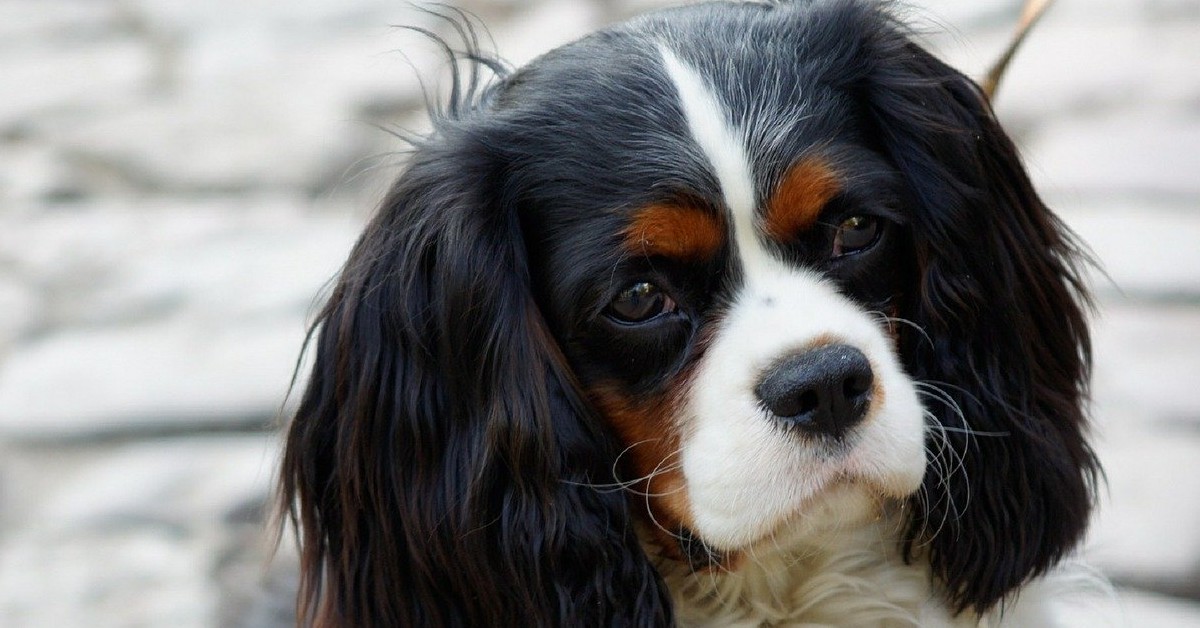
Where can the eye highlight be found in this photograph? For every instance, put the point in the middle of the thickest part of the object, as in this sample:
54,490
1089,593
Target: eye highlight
639,303
855,234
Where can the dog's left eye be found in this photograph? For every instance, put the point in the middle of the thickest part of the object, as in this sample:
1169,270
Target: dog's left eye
639,303
855,234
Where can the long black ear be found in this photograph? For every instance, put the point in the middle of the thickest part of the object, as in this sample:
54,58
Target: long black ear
1003,346
440,462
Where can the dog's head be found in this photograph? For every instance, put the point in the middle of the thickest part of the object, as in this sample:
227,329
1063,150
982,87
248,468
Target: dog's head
698,271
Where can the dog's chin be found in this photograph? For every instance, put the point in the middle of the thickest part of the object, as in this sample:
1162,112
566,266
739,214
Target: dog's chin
838,504
741,506
809,526
841,506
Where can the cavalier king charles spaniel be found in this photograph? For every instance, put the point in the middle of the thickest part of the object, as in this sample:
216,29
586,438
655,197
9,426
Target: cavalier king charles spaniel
735,314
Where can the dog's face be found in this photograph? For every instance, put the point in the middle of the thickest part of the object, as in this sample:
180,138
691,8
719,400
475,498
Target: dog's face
726,294
699,271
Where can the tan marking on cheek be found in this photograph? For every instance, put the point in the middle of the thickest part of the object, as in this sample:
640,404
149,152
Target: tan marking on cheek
651,440
798,199
679,231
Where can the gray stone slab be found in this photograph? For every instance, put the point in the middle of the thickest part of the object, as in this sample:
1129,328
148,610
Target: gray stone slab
1148,249
289,132
170,376
1079,66
19,306
1146,531
199,100
1147,610
68,80
153,319
1148,435
24,23
1147,365
139,535
546,25
1103,109
113,263
1147,152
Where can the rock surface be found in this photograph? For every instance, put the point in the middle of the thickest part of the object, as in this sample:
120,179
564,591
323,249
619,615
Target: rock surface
179,181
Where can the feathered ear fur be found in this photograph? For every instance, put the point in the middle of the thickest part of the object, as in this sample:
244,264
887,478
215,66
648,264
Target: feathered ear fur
1003,346
441,461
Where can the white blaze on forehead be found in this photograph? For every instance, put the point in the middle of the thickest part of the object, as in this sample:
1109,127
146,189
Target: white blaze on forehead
724,146
745,475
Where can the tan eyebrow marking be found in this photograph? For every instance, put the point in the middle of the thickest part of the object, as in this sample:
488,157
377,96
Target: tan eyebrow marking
798,199
677,230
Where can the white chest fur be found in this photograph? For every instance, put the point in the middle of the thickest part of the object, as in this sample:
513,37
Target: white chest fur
840,565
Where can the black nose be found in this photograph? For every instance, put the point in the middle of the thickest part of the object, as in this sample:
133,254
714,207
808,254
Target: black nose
823,391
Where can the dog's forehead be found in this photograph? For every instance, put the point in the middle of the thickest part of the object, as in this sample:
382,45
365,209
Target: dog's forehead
625,104
775,70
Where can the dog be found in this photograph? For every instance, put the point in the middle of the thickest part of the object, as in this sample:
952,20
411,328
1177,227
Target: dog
735,314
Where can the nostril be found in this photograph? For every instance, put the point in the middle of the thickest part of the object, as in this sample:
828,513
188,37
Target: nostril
856,386
792,404
809,401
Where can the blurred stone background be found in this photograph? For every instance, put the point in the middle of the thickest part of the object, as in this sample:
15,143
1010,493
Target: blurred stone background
180,178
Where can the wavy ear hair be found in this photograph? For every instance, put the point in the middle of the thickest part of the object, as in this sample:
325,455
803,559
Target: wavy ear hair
1004,350
441,460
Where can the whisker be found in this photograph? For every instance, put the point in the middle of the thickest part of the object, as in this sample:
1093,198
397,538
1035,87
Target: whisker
943,386
623,484
972,432
654,520
945,462
936,394
904,321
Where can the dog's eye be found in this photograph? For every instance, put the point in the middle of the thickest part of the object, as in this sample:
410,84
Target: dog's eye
639,303
855,234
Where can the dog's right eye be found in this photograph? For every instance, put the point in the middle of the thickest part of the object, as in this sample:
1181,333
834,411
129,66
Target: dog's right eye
640,302
855,234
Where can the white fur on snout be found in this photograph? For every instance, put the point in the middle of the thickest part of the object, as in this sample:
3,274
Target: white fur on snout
745,474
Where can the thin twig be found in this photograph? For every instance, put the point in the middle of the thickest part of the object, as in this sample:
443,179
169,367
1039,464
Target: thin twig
1030,14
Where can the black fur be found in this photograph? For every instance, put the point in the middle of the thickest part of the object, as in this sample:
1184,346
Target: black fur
997,297
439,463
440,456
